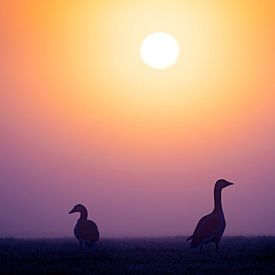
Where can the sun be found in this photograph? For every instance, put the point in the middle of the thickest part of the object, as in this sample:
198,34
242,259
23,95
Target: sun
159,50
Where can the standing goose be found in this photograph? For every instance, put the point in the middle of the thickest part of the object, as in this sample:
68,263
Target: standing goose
85,230
210,228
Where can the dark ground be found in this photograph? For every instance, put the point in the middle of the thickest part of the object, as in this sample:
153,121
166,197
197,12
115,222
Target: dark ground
238,255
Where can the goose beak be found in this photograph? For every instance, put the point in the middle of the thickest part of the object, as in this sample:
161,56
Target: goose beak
230,183
72,211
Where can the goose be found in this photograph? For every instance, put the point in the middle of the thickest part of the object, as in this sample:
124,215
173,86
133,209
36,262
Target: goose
85,230
210,228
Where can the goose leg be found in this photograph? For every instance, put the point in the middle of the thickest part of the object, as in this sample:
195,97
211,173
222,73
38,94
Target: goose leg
80,245
91,245
201,247
217,247
93,248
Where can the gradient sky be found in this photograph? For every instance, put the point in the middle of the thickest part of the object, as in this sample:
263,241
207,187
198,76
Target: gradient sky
83,119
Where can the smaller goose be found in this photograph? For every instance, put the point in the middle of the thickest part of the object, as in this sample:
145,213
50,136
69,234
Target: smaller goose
210,228
85,230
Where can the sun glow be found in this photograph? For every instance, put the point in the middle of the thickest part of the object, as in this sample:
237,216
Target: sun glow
159,50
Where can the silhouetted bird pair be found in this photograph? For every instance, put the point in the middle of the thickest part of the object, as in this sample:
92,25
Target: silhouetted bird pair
210,228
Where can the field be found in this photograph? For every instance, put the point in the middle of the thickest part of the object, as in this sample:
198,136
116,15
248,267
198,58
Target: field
238,255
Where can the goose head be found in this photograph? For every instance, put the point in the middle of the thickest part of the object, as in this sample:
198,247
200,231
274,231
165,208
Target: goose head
221,183
78,208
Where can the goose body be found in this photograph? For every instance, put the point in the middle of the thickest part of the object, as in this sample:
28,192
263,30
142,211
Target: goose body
85,231
210,228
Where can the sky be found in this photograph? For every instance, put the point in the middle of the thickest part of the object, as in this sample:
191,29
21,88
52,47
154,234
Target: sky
84,120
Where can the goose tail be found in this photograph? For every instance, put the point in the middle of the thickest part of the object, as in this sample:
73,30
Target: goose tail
189,238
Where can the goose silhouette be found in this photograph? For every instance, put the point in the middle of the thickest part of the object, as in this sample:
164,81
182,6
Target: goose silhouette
210,228
85,230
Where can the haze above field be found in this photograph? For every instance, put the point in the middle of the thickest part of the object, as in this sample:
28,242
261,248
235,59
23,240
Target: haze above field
84,120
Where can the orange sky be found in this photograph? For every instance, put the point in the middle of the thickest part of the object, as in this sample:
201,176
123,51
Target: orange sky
83,119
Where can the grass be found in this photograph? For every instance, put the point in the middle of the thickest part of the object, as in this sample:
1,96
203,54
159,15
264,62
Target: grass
238,255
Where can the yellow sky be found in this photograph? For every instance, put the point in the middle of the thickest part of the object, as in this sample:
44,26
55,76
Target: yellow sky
80,61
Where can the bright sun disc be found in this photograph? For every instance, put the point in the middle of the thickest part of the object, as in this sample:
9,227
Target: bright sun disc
159,50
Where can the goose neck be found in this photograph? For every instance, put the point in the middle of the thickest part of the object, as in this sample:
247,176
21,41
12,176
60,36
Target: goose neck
218,200
83,214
